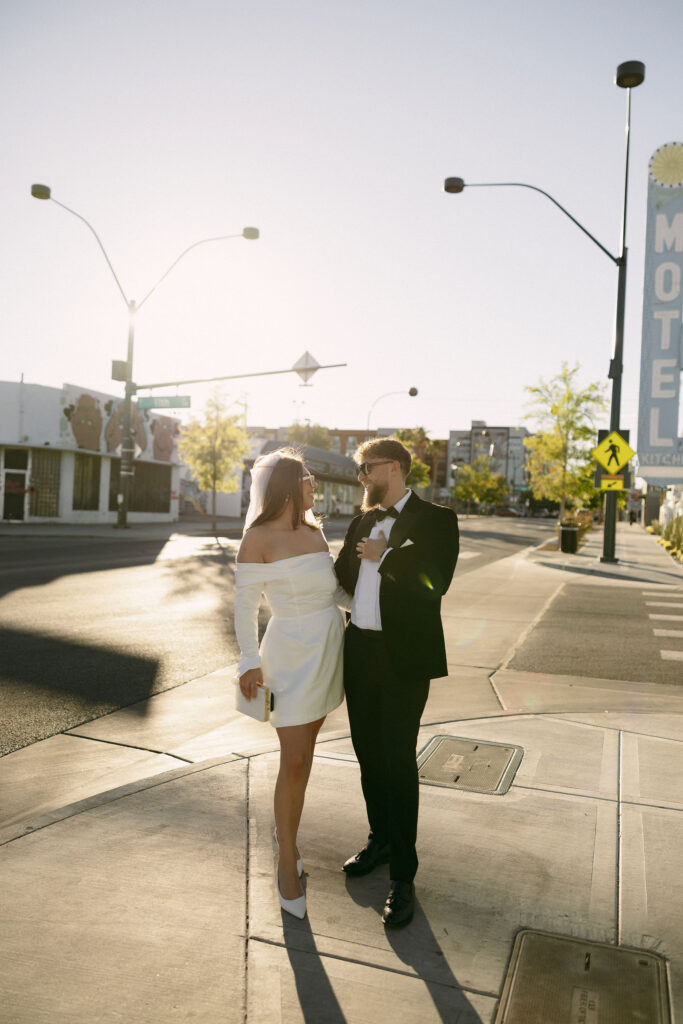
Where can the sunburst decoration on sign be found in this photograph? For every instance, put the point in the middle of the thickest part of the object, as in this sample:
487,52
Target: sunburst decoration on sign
666,165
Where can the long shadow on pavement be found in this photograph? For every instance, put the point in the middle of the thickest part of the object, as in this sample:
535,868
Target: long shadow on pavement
82,680
416,946
316,996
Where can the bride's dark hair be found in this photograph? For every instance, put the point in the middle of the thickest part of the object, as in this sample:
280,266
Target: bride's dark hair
285,484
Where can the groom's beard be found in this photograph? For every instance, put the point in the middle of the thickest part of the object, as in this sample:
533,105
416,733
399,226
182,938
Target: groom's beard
374,495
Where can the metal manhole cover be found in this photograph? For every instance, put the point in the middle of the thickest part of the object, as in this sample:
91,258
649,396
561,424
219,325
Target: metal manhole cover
469,764
568,981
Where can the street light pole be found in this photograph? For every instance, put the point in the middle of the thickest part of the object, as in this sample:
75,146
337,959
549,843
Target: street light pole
628,76
127,440
411,391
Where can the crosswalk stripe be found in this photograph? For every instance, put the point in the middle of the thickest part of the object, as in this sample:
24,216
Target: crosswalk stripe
664,604
671,618
668,632
672,655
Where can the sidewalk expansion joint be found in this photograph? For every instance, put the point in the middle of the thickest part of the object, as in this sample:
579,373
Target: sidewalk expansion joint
573,795
247,890
375,967
130,746
619,865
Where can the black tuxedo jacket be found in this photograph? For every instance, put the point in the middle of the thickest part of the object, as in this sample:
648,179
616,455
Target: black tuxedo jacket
415,577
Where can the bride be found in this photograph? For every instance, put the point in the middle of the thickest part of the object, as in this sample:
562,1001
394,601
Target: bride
285,555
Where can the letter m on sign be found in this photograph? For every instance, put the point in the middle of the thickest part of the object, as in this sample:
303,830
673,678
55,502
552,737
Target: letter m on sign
669,236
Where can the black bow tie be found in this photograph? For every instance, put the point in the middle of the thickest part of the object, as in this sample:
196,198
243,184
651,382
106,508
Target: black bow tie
375,514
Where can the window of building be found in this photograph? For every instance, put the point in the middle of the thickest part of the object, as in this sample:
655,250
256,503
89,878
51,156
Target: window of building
45,474
150,487
16,458
86,483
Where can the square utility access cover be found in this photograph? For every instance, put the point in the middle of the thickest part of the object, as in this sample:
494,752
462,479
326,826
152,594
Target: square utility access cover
568,981
469,764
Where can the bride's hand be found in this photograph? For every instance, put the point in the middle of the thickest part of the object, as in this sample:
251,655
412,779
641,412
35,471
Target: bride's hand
250,682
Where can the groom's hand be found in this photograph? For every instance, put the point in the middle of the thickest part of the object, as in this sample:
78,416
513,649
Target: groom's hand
372,549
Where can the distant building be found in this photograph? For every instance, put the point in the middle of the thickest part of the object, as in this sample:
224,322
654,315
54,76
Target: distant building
344,442
504,446
338,491
60,457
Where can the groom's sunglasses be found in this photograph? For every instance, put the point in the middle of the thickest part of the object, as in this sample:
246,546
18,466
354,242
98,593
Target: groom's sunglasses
366,468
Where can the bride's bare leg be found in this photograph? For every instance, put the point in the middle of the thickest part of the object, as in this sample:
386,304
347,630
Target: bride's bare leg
297,743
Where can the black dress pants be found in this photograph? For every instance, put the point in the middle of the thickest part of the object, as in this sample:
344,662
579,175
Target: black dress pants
384,712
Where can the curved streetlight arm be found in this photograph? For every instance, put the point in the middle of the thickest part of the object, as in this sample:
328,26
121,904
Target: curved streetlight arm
412,392
217,238
104,251
521,184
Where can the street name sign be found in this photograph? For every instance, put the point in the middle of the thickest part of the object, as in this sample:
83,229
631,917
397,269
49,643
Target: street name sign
167,402
613,452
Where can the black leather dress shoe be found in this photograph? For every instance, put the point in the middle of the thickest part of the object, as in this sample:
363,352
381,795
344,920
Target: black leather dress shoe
400,905
366,860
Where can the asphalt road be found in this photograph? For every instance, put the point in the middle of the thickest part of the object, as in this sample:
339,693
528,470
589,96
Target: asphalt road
92,624
606,632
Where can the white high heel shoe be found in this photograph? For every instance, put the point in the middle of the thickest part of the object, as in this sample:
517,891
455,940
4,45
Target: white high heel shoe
297,907
299,863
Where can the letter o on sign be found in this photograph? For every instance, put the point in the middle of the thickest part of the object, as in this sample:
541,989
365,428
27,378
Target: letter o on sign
667,282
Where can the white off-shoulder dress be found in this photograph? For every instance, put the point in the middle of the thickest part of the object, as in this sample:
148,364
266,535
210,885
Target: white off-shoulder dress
301,651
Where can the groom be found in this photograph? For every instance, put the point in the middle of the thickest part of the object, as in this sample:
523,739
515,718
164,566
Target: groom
397,561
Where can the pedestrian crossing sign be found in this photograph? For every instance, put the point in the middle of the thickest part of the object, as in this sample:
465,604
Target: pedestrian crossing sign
613,453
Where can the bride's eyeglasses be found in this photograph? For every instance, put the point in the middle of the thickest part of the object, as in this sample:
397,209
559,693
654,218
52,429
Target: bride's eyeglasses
309,476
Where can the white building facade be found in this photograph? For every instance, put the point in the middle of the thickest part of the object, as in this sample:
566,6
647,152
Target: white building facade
60,457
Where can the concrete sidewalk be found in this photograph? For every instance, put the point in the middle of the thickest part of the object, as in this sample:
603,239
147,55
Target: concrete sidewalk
137,866
136,531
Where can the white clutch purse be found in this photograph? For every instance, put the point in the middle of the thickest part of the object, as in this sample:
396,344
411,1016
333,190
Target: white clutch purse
260,707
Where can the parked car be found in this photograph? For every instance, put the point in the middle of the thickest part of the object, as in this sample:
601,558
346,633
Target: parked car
506,510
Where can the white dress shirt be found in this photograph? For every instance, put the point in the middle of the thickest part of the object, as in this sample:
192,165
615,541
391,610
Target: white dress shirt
365,608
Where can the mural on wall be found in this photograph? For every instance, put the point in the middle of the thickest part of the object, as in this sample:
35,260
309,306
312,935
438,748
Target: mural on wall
92,421
85,420
114,430
164,430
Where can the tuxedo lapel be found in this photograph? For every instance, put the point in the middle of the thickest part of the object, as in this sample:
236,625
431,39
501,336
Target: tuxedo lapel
406,521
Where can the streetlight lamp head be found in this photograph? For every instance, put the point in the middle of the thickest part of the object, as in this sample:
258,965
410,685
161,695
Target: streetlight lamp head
40,191
630,74
412,392
453,185
250,233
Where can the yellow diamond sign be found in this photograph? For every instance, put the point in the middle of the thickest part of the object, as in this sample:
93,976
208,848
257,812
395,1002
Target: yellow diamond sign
613,453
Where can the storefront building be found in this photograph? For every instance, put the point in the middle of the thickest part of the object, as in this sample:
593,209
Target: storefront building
60,457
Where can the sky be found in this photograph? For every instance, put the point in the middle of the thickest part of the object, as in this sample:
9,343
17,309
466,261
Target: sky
331,128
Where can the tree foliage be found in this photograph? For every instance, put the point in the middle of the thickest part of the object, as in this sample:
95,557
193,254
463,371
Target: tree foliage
425,453
559,454
476,482
309,433
214,448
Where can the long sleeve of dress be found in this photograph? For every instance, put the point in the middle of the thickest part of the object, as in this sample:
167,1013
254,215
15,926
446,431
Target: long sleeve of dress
248,590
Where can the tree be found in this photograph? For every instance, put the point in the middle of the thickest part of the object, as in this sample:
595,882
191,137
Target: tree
559,452
214,448
475,482
309,433
425,454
